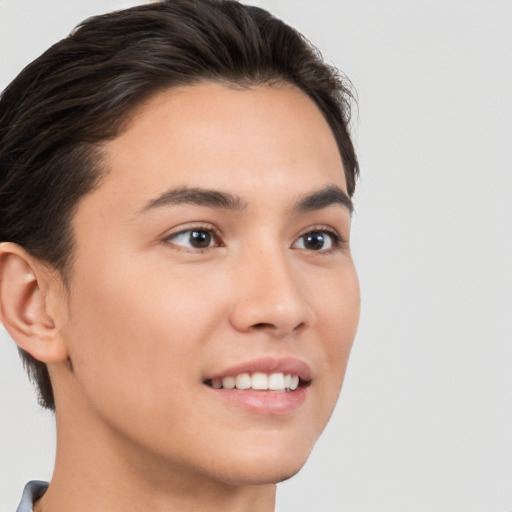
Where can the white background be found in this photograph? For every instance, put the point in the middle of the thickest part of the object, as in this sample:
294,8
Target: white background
424,422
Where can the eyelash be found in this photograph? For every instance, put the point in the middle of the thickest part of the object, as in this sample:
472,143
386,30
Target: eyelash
336,239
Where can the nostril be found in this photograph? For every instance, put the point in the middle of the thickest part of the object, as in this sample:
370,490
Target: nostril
300,326
270,327
263,325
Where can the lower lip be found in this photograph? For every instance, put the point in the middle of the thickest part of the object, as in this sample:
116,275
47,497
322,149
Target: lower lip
264,402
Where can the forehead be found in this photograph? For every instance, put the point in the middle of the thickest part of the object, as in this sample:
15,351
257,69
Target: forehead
214,136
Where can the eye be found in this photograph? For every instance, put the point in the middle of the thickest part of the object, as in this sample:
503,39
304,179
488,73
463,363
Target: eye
318,240
194,239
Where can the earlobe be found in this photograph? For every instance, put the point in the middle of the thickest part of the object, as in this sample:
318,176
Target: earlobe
24,289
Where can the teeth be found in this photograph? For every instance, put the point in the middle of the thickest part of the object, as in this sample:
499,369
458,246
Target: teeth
259,381
228,382
276,381
243,381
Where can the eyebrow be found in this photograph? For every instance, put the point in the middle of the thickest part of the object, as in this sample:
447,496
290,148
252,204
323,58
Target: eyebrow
199,197
317,200
331,194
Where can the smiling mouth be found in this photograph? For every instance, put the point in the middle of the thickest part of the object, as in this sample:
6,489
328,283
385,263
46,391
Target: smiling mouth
259,381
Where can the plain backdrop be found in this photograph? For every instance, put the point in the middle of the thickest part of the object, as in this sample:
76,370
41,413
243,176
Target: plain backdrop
424,422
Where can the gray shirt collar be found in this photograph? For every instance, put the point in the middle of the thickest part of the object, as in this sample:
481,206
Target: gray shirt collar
32,492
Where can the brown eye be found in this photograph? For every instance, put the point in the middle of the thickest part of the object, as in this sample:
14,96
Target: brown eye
200,239
317,241
193,239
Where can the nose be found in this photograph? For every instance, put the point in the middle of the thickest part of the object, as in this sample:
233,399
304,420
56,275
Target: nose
269,296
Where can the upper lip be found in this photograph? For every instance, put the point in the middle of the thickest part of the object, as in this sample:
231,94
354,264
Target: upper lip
287,365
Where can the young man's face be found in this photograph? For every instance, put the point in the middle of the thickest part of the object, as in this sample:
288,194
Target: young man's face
216,246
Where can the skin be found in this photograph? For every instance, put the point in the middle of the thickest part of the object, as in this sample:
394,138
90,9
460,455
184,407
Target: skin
148,317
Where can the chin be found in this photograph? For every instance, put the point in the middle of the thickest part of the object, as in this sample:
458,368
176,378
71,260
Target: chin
261,469
260,476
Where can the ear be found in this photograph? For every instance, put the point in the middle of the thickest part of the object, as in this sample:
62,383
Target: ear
26,289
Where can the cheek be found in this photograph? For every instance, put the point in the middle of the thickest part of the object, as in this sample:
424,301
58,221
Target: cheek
134,352
140,331
337,309
337,321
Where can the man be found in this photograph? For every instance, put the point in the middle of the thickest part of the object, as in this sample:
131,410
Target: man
175,267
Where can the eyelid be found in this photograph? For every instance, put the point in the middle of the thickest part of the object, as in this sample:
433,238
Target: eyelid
325,228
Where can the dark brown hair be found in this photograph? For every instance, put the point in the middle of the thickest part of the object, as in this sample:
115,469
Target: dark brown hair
79,93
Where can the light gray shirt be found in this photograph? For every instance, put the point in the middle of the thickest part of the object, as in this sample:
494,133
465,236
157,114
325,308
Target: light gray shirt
32,492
